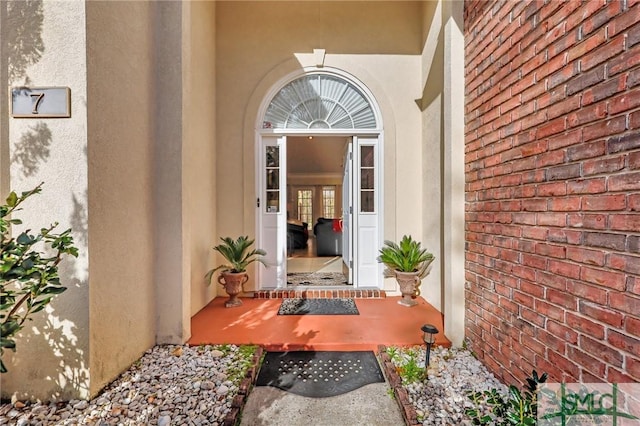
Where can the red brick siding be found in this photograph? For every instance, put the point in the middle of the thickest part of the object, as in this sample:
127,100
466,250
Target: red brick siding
552,156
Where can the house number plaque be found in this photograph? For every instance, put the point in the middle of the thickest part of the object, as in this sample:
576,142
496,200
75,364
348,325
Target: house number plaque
40,102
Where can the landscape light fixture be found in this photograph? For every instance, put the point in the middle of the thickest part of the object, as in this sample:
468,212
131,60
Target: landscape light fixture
429,336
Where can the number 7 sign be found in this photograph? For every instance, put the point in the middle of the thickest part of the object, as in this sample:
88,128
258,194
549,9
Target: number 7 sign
40,102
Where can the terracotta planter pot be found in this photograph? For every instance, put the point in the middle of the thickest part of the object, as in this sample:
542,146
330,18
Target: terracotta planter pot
232,283
409,283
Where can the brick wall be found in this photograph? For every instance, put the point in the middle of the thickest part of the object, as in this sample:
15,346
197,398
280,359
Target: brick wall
553,188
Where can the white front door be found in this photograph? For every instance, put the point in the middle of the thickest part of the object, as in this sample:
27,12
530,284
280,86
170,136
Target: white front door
367,218
361,211
272,211
347,213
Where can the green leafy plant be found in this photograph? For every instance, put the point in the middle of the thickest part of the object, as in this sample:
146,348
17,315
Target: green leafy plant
393,353
225,347
238,254
411,371
239,369
405,256
407,365
28,270
517,408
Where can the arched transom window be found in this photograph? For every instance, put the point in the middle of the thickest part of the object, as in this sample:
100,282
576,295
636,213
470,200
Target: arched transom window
319,101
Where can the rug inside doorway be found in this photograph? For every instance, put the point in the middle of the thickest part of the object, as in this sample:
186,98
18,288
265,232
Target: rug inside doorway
297,306
316,279
319,374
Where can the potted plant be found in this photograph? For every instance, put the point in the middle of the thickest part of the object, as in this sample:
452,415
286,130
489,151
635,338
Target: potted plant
408,263
233,274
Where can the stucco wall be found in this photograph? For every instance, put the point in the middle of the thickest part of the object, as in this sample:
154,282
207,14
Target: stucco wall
431,104
199,147
120,99
53,151
442,106
5,32
255,48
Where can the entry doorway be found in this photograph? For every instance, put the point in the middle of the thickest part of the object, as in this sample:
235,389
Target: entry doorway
321,103
314,211
347,242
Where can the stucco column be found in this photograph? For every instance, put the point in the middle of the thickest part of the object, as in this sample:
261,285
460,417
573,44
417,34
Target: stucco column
44,45
4,113
171,274
453,185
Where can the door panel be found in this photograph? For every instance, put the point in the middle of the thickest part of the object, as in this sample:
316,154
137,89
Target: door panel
367,254
272,211
347,213
366,207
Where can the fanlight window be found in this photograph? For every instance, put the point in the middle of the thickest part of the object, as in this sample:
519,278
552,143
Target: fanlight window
319,101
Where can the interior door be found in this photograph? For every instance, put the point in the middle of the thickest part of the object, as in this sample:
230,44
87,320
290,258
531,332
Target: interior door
271,205
347,214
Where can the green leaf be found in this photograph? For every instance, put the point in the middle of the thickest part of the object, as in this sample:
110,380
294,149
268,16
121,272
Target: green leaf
53,290
7,343
12,199
40,307
9,328
27,264
24,239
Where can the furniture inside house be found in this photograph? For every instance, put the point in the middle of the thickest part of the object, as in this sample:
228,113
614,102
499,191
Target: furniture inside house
297,235
328,234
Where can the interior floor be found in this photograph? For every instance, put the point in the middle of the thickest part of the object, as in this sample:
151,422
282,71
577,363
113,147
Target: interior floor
305,260
309,251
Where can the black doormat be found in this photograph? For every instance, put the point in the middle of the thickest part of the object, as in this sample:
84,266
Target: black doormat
318,307
319,374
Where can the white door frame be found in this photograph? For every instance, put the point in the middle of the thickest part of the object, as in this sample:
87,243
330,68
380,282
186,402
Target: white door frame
271,220
278,263
347,212
264,129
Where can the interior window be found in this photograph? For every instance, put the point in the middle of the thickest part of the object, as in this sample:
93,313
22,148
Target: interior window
329,201
305,205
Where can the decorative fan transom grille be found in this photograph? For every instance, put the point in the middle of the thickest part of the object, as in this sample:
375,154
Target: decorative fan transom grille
319,101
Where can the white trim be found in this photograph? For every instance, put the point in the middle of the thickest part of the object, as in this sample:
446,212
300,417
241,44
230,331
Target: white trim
316,133
283,132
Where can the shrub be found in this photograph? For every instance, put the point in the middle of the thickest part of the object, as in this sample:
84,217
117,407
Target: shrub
519,408
28,270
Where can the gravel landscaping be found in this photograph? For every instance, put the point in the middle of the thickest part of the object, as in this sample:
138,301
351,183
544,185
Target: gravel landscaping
442,399
169,385
201,386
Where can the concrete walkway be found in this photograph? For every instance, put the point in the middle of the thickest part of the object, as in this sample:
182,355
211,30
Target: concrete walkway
369,405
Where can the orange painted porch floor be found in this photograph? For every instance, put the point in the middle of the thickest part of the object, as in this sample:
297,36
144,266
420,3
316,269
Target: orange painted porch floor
381,322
